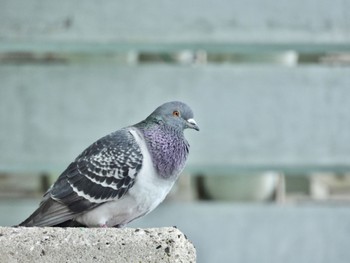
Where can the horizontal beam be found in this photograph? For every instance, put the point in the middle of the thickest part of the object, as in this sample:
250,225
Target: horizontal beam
224,169
159,21
251,118
91,48
199,169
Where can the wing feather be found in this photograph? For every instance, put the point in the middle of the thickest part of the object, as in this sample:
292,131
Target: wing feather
106,170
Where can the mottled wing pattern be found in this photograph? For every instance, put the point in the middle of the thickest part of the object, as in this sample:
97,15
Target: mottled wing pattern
104,171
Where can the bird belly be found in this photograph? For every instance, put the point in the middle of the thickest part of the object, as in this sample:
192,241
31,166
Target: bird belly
111,213
139,201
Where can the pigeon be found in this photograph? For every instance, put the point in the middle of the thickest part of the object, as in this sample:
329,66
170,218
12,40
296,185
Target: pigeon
122,176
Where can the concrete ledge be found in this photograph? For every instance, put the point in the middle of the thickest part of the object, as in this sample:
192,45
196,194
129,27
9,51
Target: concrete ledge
94,245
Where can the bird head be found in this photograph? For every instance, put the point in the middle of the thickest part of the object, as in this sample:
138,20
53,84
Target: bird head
176,114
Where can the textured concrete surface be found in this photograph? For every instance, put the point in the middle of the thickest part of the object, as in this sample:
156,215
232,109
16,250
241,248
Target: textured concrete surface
94,245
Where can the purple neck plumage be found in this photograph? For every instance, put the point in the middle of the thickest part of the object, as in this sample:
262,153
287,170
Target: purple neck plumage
168,148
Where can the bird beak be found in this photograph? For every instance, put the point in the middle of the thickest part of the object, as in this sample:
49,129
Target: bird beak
191,123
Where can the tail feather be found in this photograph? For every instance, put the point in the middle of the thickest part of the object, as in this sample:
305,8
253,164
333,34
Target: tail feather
49,213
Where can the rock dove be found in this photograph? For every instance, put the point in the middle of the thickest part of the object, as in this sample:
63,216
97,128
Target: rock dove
122,176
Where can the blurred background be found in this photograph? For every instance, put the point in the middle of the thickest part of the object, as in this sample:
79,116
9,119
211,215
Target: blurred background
269,82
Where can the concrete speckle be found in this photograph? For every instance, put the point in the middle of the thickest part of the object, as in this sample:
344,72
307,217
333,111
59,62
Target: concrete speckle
86,245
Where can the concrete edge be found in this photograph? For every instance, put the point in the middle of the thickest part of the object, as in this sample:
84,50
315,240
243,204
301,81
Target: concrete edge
48,244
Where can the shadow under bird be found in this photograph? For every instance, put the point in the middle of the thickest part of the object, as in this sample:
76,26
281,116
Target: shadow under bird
122,176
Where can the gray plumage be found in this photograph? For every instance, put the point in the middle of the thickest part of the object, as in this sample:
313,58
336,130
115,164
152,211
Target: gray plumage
122,176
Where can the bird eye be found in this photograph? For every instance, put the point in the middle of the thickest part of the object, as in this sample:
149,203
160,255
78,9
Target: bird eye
176,113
